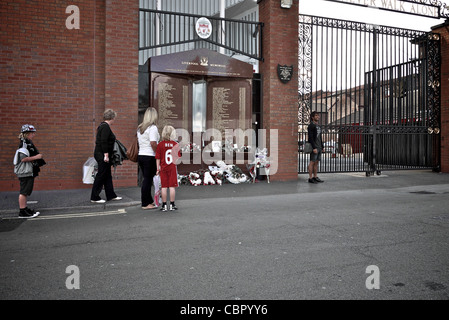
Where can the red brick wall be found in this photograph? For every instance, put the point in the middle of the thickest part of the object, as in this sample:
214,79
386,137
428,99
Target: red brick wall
121,76
280,101
444,33
61,80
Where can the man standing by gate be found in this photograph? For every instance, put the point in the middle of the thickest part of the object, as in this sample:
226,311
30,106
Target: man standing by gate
314,137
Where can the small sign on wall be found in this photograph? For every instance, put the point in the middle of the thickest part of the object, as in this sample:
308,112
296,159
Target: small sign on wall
285,73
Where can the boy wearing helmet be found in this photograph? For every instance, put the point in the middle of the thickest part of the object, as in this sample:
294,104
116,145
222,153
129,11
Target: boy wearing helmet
26,136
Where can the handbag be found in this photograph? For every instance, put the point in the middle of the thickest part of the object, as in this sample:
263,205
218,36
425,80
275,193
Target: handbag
308,147
133,150
22,169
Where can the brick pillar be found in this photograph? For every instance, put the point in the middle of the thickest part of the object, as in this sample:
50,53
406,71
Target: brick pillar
121,77
443,30
280,100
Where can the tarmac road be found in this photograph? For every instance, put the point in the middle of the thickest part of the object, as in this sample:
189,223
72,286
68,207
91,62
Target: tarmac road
292,246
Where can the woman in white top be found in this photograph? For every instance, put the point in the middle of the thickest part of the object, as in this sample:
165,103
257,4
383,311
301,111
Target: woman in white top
148,136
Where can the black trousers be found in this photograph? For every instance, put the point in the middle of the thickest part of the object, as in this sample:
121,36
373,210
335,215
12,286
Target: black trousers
147,165
103,179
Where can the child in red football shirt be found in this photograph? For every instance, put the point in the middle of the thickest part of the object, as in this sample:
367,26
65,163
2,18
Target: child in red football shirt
167,152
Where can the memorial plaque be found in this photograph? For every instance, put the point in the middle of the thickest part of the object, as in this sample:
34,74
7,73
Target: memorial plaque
228,92
171,98
229,107
221,109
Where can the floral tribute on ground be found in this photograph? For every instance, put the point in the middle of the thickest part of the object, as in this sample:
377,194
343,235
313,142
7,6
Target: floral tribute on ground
215,175
223,173
261,160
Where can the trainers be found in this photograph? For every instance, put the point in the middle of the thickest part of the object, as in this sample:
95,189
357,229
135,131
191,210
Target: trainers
28,213
117,199
318,179
164,208
173,207
312,181
98,201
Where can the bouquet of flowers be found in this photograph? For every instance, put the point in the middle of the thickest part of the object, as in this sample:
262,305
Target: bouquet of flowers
261,160
232,173
194,179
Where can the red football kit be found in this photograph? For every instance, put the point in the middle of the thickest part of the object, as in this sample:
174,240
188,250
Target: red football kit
169,172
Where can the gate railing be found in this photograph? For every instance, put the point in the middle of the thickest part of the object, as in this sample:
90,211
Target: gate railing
164,28
377,91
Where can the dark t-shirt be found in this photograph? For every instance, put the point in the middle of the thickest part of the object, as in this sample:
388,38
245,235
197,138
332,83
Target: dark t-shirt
314,136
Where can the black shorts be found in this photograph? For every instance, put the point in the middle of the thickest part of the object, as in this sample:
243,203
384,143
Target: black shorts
26,185
315,156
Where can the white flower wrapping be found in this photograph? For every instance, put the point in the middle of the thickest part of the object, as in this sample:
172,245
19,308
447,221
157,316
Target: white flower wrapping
261,160
232,173
215,175
208,180
194,179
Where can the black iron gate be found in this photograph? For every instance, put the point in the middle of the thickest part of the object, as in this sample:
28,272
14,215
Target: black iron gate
377,90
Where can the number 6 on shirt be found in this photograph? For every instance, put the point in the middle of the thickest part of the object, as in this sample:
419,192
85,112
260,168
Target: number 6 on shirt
168,157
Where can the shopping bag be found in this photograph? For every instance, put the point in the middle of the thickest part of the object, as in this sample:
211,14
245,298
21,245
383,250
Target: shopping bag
157,190
90,169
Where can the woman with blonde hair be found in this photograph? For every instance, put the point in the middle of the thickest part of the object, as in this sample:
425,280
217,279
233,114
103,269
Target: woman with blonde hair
148,137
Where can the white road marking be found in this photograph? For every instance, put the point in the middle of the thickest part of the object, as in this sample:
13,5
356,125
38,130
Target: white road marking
79,215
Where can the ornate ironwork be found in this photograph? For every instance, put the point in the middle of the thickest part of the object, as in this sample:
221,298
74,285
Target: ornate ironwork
359,26
434,81
304,69
388,118
401,130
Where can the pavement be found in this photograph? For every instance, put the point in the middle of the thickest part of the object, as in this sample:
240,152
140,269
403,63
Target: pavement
49,202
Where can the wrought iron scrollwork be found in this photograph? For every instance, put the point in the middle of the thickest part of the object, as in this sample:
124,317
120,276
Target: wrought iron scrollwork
379,109
305,69
433,82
